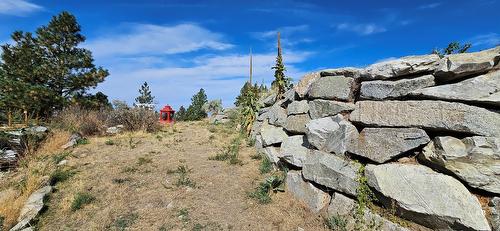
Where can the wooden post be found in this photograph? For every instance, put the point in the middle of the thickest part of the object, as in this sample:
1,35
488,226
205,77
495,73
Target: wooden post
26,117
9,118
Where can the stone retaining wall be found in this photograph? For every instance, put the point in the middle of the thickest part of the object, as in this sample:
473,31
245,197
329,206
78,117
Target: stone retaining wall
427,130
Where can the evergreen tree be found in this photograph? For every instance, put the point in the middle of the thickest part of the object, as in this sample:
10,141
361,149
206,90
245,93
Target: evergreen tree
45,71
145,95
180,115
281,82
195,110
99,101
452,48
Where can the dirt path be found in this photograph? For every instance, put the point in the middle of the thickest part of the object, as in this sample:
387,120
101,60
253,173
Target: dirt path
135,189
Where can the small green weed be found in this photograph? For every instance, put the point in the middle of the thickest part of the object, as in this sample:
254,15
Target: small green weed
184,179
144,160
82,141
270,184
336,222
125,221
109,142
60,156
129,169
60,175
183,215
80,200
131,143
256,156
230,152
265,166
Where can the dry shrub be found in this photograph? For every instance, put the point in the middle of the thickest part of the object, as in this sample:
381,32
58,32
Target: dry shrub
83,121
30,177
134,119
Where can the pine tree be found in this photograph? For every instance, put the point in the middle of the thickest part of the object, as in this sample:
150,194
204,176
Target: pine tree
145,96
281,82
180,115
195,110
48,69
452,48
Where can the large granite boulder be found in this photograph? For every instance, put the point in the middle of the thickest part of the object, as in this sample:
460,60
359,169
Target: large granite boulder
483,89
383,144
432,115
298,107
382,89
474,160
458,65
331,134
296,124
272,135
320,108
400,67
277,115
426,197
303,85
332,171
295,150
307,193
344,208
332,87
495,213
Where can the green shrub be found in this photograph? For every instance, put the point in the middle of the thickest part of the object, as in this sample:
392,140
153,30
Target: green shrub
81,199
270,184
60,175
109,142
265,166
336,222
184,179
230,152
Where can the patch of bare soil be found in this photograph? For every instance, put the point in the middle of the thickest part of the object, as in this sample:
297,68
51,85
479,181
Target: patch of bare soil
136,184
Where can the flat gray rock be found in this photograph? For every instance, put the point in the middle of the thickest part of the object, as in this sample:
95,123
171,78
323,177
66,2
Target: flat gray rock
495,213
432,115
31,208
269,100
384,144
330,134
474,160
400,67
307,193
344,71
426,197
484,89
277,115
332,171
383,89
295,150
272,135
320,108
344,208
296,124
458,65
332,87
298,107
272,154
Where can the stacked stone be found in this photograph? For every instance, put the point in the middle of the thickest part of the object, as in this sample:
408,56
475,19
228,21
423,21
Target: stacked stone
442,112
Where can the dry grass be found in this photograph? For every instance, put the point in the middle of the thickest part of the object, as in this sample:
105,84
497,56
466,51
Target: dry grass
76,119
134,196
34,171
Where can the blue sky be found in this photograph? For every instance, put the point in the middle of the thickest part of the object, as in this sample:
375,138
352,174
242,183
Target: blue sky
181,46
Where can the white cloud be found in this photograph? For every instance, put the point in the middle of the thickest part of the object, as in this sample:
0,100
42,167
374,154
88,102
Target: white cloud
430,5
488,40
361,28
139,39
221,76
18,7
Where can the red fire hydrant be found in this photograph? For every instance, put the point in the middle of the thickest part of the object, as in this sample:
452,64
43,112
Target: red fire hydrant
167,115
